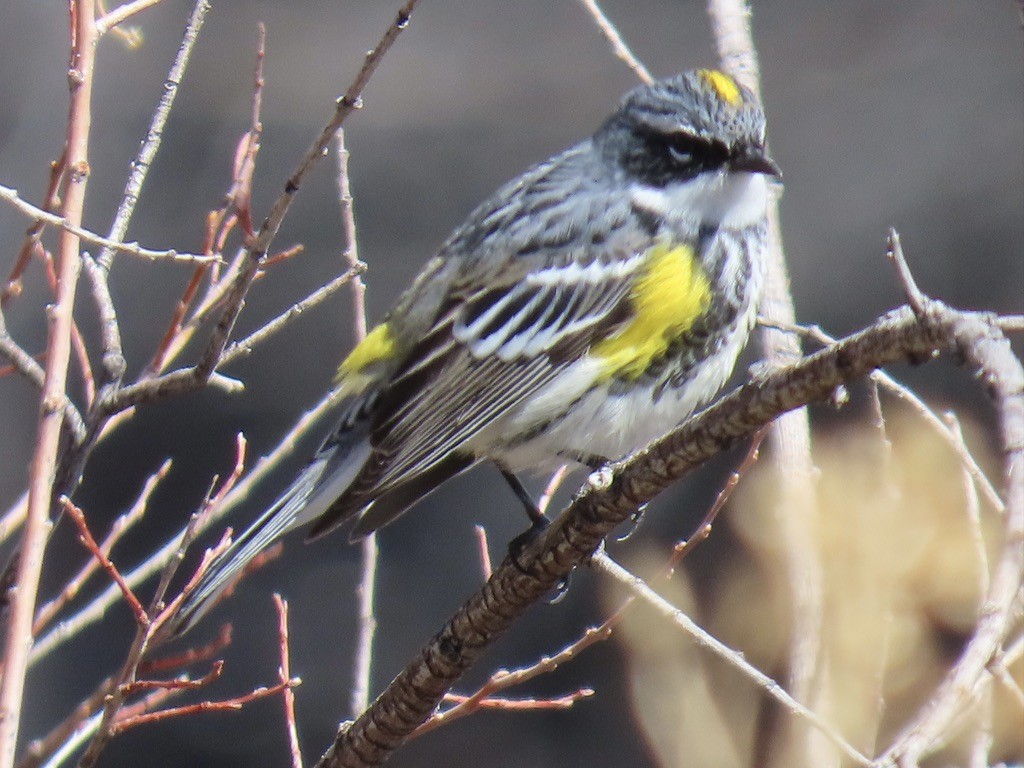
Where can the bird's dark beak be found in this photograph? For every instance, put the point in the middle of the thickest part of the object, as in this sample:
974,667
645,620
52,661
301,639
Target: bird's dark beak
755,160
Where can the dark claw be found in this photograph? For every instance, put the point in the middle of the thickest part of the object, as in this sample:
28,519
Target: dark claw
524,539
635,519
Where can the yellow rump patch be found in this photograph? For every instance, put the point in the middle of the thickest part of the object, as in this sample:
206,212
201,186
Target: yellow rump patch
724,86
669,295
379,345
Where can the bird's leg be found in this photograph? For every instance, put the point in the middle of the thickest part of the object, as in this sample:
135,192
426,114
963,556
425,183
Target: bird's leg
538,520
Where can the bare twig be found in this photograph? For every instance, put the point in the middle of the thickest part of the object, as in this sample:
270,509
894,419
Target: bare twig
244,347
619,47
685,547
254,254
139,168
972,508
44,459
122,13
988,351
117,530
362,662
602,562
152,565
894,251
31,243
503,679
40,749
27,366
226,705
13,517
257,249
286,675
486,569
132,249
932,419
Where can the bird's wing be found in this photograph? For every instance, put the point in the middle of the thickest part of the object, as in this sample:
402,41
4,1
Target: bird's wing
492,347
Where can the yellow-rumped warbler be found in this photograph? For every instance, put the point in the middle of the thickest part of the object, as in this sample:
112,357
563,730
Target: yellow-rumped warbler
583,310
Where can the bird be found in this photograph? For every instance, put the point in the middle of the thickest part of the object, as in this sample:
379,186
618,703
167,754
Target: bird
584,309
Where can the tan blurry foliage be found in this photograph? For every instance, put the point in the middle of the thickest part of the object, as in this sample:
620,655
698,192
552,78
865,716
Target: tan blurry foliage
903,586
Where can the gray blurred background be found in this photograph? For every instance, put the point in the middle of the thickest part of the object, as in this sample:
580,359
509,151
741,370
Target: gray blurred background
907,114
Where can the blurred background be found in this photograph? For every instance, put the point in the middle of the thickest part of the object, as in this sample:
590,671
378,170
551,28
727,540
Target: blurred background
881,114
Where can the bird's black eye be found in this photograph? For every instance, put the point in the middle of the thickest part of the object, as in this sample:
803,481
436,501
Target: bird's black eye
693,152
684,149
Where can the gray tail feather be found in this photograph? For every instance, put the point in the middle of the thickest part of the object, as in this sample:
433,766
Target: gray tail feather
319,483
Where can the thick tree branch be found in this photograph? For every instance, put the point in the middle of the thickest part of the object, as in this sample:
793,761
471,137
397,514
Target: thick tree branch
613,494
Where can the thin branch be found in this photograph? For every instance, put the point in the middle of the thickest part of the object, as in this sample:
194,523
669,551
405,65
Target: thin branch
112,359
27,366
51,420
619,47
13,517
639,589
973,509
244,347
254,254
85,536
122,13
915,298
362,661
40,749
257,249
152,565
987,351
907,395
227,705
139,168
132,249
121,526
486,568
286,674
13,286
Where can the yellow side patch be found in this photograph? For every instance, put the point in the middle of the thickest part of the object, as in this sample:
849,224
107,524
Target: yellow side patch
669,295
724,86
379,344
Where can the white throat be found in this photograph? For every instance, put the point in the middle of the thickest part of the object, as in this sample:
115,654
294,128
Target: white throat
728,199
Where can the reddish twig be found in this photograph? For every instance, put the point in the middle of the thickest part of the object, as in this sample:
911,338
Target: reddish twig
182,682
285,673
190,655
85,536
12,287
686,546
123,523
485,556
225,705
521,705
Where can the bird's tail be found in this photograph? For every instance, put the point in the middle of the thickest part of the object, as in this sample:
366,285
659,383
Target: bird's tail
322,481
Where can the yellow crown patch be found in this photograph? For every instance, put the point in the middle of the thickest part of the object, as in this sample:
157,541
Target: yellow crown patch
726,88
